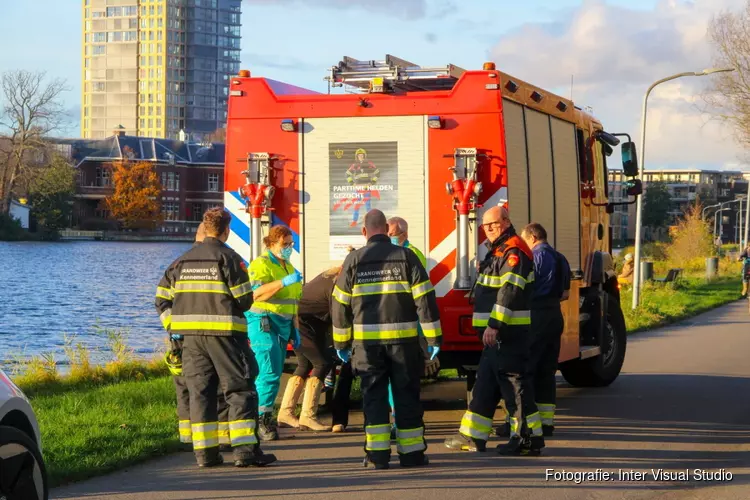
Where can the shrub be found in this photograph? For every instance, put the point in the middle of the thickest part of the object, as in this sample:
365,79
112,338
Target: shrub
691,241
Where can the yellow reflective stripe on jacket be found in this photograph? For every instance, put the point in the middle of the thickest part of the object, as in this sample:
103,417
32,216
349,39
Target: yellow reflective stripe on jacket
386,331
547,412
267,269
241,290
421,289
341,296
431,330
378,437
342,334
475,426
164,293
201,286
224,433
534,423
480,320
381,288
418,252
505,315
222,323
498,281
186,435
166,318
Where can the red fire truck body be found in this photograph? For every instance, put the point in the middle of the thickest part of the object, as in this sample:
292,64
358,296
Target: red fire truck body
437,148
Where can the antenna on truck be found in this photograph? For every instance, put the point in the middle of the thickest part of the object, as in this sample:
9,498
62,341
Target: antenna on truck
392,74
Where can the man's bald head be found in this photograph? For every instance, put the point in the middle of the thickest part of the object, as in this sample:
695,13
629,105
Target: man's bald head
495,222
375,223
397,227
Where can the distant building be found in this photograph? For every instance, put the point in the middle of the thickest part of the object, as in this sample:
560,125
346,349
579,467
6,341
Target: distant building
20,211
192,177
157,67
687,186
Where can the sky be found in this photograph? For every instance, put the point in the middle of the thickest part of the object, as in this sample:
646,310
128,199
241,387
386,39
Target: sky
613,49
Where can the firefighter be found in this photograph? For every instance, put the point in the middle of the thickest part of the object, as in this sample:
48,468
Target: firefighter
398,232
314,355
551,286
626,275
362,173
502,319
273,321
202,296
381,296
173,359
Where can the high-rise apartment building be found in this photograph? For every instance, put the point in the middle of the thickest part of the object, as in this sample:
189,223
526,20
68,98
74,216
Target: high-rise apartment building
152,68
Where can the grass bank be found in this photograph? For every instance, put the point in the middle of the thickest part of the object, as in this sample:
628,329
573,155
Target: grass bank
663,304
96,419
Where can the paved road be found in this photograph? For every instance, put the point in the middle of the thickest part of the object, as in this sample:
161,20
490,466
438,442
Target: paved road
681,403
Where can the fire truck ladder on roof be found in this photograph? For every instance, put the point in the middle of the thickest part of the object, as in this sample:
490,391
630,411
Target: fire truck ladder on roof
396,74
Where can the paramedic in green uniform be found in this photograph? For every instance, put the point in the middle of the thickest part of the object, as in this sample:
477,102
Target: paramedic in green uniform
272,320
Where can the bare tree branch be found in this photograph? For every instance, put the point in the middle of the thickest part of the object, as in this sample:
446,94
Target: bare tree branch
728,97
32,111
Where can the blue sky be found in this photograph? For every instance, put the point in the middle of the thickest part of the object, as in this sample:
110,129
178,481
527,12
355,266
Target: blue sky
615,48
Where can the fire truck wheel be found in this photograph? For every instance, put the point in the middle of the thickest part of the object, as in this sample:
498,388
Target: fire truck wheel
602,370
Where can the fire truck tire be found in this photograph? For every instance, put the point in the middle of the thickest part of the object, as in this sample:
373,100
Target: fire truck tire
602,370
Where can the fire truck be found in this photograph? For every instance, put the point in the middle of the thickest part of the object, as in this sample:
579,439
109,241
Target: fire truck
436,146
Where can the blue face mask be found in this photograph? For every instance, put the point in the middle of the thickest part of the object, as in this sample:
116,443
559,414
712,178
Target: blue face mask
286,253
394,240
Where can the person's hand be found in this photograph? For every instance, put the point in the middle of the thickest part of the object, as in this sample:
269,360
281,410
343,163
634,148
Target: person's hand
489,338
291,279
296,340
344,354
433,351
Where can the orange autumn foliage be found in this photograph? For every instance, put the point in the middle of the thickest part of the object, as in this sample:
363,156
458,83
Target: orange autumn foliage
135,200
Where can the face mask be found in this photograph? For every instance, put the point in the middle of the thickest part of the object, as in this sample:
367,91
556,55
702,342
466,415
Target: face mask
286,252
394,240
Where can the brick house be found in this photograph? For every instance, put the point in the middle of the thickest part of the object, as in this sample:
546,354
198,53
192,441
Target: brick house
192,177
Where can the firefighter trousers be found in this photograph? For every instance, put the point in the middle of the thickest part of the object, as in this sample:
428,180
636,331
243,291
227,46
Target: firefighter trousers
402,366
183,412
221,364
501,374
547,326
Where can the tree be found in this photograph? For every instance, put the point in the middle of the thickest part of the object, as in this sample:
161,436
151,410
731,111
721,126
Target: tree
51,193
657,202
31,112
692,238
728,93
135,200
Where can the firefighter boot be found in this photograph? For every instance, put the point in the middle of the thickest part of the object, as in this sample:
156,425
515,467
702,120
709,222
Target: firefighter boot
503,430
532,446
211,463
464,443
293,391
309,417
267,428
259,459
378,465
514,447
548,430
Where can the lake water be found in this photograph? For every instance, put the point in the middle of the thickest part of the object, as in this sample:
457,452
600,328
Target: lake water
52,290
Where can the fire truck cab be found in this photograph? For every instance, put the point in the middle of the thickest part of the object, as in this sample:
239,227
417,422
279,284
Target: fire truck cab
437,147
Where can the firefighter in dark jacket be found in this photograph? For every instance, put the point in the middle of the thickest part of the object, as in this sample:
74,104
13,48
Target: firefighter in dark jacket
502,318
202,297
382,295
174,363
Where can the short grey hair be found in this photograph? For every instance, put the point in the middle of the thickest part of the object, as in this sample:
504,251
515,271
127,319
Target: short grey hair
403,227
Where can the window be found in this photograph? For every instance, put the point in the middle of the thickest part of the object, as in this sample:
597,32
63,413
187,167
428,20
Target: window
98,86
170,209
213,183
197,213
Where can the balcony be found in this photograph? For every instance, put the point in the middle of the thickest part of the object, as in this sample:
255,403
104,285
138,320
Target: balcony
93,192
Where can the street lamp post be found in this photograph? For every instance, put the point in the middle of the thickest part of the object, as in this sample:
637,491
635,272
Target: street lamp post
639,202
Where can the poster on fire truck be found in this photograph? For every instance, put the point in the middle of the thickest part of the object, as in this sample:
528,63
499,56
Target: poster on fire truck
362,176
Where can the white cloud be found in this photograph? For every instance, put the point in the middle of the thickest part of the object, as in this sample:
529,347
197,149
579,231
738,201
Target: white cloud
615,53
411,9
